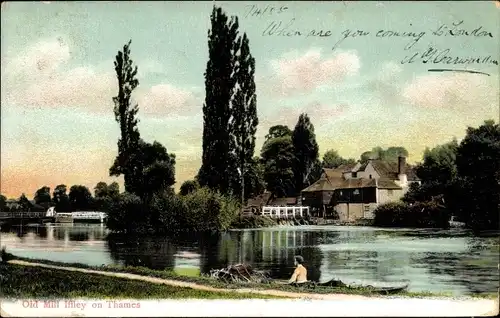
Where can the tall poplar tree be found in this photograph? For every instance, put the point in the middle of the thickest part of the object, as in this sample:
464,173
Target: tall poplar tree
244,118
126,116
306,151
219,86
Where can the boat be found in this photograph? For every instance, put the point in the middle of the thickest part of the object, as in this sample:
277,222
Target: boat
454,223
336,284
63,218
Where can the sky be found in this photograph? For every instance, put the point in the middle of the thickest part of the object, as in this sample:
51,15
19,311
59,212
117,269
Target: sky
57,79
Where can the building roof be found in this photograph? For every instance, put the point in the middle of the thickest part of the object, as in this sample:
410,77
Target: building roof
389,170
261,199
283,201
321,185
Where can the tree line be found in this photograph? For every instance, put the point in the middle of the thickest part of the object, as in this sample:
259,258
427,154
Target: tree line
459,179
79,198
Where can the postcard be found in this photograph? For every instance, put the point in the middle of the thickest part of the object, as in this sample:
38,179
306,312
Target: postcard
255,158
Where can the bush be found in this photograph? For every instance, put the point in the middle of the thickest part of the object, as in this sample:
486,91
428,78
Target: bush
420,214
209,210
128,214
253,222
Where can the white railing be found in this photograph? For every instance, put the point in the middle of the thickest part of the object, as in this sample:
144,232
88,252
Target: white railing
88,215
285,211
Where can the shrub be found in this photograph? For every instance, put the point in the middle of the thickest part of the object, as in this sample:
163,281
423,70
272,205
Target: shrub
128,214
419,214
209,210
253,222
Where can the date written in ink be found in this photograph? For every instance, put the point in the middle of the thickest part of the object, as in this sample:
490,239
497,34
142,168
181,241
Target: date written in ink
254,10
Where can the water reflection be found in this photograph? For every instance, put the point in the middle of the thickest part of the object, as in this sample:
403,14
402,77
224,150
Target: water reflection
427,259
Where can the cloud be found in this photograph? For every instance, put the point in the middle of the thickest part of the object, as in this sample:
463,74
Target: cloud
41,77
295,74
319,113
453,91
166,99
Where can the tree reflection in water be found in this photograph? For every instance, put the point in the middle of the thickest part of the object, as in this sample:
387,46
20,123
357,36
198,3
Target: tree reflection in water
139,251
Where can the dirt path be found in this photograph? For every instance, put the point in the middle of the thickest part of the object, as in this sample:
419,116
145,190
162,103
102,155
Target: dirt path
177,283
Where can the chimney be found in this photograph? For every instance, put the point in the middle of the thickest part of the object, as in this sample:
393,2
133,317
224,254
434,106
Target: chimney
401,165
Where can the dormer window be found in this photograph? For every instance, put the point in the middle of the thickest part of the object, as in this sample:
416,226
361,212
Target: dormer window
354,174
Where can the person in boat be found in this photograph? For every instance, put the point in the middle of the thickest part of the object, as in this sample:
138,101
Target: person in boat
300,272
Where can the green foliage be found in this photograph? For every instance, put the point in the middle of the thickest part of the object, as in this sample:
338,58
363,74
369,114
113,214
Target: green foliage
217,168
390,154
147,168
253,222
278,159
42,196
477,187
3,202
128,214
254,179
439,163
80,198
421,214
207,210
166,212
306,152
189,186
17,282
125,115
278,131
332,160
61,199
243,125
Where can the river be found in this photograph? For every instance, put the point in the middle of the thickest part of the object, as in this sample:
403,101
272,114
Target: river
450,261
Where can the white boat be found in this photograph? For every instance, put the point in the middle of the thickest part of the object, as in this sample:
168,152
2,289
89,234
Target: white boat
454,223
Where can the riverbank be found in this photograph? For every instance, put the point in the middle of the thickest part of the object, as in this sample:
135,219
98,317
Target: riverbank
28,280
208,284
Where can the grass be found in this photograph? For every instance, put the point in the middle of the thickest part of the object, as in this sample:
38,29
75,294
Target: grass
187,275
187,271
37,282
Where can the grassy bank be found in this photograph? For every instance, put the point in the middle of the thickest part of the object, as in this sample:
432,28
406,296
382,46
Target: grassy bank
188,276
37,282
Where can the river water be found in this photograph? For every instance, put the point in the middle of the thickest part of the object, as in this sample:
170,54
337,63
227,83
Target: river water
450,261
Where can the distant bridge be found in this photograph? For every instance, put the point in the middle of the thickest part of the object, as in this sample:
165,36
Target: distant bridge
25,215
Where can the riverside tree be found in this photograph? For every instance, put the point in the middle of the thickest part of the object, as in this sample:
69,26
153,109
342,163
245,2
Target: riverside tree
278,158
478,181
220,79
147,168
42,196
332,160
306,152
243,125
126,116
61,198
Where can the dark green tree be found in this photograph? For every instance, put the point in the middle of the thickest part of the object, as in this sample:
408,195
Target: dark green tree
188,187
113,189
244,117
332,160
478,181
101,190
61,198
278,131
390,154
220,81
126,116
278,159
306,152
42,196
3,202
80,198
